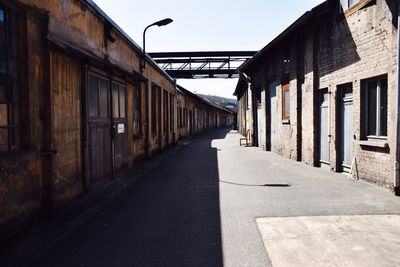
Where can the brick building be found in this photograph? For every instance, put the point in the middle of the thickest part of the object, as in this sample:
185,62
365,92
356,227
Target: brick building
196,115
77,108
324,91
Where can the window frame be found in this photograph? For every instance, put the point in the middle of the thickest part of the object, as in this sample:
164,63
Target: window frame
11,81
124,87
351,9
285,119
100,77
365,101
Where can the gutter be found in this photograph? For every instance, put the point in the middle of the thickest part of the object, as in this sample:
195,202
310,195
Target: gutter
396,176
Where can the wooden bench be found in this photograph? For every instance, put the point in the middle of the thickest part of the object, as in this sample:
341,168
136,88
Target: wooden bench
245,139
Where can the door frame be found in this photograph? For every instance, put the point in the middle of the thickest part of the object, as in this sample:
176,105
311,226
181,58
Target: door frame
341,101
320,93
269,121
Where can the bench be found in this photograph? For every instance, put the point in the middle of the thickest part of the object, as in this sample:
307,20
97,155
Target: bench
245,139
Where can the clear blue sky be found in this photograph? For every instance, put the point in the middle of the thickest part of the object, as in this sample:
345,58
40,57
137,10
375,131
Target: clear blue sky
206,25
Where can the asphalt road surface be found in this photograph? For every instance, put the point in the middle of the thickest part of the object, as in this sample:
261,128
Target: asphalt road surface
199,208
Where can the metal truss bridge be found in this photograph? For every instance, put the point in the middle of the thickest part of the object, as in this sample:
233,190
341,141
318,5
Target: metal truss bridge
197,65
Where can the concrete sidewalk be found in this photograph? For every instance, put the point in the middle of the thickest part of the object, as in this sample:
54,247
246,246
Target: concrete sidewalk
312,192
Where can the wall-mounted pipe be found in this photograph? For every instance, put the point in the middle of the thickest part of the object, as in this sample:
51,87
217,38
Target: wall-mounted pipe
396,176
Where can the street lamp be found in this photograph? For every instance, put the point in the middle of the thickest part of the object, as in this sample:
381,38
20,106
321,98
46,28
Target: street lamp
159,24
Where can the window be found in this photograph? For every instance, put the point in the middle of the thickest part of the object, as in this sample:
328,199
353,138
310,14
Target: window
118,100
375,101
98,96
347,4
137,102
285,103
9,87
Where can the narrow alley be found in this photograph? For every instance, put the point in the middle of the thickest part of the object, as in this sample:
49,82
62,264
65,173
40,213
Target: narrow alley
200,208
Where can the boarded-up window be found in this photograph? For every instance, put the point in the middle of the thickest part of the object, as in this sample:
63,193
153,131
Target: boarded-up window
9,87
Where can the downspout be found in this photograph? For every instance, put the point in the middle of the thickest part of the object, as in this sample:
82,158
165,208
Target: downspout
396,177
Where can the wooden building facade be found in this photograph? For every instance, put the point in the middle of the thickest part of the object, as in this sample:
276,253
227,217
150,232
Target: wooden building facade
76,108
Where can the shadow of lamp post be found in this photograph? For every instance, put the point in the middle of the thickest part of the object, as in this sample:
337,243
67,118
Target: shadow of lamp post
159,24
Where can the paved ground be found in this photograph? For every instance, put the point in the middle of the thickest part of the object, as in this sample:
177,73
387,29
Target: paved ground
332,241
200,208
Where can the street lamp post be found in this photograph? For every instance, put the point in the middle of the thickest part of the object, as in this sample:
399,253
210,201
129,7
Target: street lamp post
159,24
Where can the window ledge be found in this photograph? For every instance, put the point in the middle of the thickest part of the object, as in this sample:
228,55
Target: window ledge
356,7
375,143
286,121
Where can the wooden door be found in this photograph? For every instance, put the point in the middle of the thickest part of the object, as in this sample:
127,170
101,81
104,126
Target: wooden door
159,112
98,134
120,130
324,127
346,126
165,120
273,113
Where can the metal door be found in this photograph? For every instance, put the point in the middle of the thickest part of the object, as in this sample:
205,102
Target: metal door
120,130
272,116
346,126
323,127
98,133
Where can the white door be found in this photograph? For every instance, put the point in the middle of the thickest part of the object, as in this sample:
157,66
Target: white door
273,115
346,126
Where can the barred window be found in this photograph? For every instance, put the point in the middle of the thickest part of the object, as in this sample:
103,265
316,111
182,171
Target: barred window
9,87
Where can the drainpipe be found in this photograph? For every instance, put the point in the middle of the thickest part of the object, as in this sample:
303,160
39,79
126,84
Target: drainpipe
396,182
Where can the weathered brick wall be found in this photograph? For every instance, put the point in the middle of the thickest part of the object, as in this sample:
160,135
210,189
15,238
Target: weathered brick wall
361,46
308,131
286,131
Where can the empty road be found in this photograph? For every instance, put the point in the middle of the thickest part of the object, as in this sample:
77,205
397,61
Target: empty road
200,208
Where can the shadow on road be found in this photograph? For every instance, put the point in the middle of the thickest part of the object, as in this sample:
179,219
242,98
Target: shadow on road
170,218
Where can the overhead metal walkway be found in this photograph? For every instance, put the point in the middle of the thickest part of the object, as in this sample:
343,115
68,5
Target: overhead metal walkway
197,65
